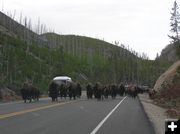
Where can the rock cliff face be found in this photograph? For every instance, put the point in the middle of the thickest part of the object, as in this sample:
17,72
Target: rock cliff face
169,77
169,53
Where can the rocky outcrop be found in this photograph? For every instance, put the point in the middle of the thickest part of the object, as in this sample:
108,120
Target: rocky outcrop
167,78
169,53
7,95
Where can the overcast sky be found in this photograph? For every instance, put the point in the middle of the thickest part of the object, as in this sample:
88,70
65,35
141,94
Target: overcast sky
141,24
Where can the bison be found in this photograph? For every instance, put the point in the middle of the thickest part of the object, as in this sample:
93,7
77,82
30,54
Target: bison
29,92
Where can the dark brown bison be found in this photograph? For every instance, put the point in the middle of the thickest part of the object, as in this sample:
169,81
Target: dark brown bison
54,91
29,92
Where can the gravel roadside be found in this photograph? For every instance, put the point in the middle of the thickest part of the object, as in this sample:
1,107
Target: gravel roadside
155,113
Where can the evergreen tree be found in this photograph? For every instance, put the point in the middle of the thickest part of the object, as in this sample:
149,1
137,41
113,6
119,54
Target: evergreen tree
175,22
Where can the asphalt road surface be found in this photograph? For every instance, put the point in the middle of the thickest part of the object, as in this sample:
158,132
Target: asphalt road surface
122,115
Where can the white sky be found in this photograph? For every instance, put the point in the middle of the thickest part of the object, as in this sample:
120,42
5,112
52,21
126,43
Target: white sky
141,24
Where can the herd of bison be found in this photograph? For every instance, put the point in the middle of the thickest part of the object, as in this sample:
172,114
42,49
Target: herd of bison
74,91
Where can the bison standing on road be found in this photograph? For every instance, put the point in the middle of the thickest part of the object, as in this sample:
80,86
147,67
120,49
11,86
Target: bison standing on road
89,91
53,91
29,92
72,91
113,91
63,91
79,90
121,90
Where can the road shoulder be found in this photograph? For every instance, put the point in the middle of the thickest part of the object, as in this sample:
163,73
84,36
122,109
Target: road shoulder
155,113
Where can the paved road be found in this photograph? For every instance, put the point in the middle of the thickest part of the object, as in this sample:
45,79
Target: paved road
119,116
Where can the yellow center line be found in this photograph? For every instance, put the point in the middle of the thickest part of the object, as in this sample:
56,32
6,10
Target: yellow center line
3,116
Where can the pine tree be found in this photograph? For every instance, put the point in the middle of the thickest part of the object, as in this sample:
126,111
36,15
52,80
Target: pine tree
175,23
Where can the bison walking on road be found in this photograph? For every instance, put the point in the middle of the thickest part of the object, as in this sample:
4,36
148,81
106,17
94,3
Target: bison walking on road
29,92
89,91
53,91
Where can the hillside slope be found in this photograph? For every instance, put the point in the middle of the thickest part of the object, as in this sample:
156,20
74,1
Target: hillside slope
79,45
168,77
168,89
23,32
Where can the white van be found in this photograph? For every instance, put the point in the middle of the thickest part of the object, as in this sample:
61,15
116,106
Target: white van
62,80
